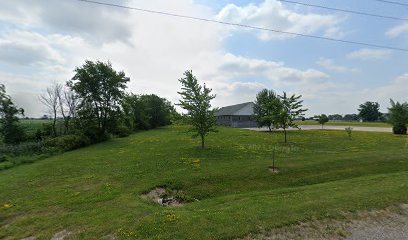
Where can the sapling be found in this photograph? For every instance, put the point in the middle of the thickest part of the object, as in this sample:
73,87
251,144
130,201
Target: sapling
349,130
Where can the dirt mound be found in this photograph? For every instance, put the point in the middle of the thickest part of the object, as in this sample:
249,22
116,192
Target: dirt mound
164,197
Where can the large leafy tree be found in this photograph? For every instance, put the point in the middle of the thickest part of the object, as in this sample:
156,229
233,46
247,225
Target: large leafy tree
10,130
267,106
143,112
398,117
100,90
369,111
196,100
291,108
158,109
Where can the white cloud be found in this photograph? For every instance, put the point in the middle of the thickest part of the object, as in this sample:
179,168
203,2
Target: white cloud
330,65
273,14
370,54
27,48
99,24
398,30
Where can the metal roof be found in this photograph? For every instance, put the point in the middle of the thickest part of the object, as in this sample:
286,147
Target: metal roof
245,109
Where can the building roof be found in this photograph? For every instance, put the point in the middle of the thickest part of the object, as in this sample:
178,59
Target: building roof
243,109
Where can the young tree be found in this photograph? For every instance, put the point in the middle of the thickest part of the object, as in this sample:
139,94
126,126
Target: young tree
323,119
267,106
290,110
369,111
11,132
398,117
196,100
50,100
100,90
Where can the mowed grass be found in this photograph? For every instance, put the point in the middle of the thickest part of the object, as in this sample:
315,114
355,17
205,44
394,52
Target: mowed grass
356,124
95,191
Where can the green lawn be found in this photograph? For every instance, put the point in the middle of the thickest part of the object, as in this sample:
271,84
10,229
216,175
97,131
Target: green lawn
95,191
359,124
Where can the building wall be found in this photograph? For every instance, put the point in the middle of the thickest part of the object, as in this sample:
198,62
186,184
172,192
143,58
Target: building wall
236,121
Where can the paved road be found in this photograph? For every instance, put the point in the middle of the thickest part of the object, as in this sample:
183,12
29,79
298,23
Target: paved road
317,127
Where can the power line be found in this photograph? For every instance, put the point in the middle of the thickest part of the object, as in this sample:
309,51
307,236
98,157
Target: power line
346,11
247,26
393,2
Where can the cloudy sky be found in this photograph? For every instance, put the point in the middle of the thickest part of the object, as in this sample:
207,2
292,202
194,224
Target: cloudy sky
42,41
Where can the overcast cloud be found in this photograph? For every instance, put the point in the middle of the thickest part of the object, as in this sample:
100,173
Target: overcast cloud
41,42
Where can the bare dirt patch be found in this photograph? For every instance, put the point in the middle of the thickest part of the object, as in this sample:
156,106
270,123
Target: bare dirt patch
274,170
61,235
386,224
164,197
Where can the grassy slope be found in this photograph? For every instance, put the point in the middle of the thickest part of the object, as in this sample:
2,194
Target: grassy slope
95,191
357,124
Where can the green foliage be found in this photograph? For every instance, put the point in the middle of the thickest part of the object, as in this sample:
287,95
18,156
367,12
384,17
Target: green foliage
370,111
122,131
67,142
351,117
267,106
399,129
100,90
290,110
143,112
323,119
398,117
279,111
10,130
196,100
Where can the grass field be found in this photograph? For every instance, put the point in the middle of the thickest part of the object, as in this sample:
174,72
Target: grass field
95,192
359,124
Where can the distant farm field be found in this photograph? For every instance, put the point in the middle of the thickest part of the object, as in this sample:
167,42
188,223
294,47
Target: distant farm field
31,126
95,192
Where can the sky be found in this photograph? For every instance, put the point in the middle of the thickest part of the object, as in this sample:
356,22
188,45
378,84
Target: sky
42,41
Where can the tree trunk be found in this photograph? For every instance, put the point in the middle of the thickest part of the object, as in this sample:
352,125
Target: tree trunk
270,129
284,130
202,141
54,123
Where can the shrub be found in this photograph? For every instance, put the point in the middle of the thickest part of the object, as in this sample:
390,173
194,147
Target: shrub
122,131
68,142
3,158
400,129
25,148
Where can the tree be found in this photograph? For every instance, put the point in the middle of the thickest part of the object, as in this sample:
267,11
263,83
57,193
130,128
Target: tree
369,111
50,100
398,117
267,105
158,109
323,119
69,106
196,100
290,110
134,113
100,90
351,117
336,117
10,130
146,111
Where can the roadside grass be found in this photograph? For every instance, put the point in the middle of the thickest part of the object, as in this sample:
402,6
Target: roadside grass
95,191
356,124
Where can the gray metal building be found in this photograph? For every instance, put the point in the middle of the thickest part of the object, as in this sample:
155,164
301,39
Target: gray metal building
237,116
